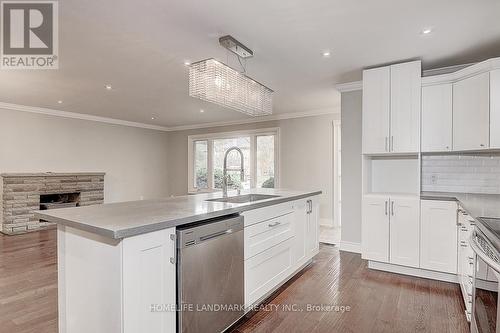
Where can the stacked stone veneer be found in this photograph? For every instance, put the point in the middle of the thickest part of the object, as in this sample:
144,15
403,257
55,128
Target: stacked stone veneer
20,196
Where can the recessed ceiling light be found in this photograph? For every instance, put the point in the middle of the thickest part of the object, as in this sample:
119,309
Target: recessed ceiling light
201,111
426,31
153,118
59,102
187,63
326,54
108,87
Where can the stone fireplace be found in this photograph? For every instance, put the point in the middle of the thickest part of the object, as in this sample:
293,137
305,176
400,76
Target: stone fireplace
23,193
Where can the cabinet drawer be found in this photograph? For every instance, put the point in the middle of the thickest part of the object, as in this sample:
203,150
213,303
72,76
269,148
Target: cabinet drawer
267,270
266,213
264,235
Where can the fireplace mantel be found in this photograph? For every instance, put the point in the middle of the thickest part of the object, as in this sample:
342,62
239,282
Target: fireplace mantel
20,196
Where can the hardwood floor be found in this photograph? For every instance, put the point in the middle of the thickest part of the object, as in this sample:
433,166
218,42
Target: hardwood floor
28,283
378,301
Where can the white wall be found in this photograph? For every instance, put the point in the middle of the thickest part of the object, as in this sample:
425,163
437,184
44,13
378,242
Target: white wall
134,159
305,156
351,167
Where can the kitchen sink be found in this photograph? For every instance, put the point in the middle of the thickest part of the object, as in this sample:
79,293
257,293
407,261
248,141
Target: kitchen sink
244,198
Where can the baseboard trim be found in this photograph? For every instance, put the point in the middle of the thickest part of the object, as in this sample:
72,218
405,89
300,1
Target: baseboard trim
418,272
350,247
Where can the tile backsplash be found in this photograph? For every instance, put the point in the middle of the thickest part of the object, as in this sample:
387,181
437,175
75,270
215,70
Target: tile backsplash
461,173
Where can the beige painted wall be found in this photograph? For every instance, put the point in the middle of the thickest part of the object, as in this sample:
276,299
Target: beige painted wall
135,160
305,155
351,167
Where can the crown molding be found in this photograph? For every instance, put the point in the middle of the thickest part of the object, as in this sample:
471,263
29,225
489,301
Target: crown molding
349,86
81,116
445,70
273,117
464,73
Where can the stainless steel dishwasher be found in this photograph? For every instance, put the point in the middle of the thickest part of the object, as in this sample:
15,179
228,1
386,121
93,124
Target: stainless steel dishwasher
210,275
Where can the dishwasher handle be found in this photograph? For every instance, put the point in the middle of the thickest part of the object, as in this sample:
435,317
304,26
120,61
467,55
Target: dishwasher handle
210,230
216,235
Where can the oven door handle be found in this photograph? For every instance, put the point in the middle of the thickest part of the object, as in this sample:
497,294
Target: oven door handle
477,250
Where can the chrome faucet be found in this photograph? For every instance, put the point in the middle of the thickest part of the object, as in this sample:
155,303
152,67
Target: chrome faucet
225,175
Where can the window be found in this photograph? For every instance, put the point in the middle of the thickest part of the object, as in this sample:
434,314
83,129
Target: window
265,161
260,160
201,164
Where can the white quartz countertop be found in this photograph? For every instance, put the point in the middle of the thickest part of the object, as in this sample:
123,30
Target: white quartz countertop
125,219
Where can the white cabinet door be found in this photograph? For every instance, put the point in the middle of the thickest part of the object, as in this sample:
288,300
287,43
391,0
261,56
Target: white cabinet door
301,229
437,117
313,231
267,270
404,230
149,278
375,228
438,236
376,110
406,88
495,109
471,113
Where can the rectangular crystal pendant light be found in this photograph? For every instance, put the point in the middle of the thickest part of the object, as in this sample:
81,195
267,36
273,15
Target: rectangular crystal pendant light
215,82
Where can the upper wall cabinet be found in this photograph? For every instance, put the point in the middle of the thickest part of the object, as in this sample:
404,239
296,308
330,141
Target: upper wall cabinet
376,110
437,117
495,109
406,88
391,109
471,113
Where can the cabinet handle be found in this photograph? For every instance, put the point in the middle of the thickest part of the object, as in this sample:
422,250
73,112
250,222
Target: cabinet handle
482,145
274,224
392,208
173,260
386,207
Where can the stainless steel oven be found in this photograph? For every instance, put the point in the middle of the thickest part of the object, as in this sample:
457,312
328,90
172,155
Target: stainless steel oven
485,309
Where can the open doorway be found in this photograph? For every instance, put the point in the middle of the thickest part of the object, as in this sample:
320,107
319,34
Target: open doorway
330,234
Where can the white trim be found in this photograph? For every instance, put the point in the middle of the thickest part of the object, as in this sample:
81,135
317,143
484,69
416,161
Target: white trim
473,70
445,70
233,134
350,247
281,116
326,223
81,116
209,137
336,185
423,273
349,86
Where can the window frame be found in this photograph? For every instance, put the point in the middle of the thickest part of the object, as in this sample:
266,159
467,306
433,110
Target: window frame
210,137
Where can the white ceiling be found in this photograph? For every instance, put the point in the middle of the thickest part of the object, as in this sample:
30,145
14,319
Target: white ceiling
139,47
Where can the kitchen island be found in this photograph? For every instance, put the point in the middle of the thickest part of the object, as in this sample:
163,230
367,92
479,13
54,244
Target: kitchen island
117,263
